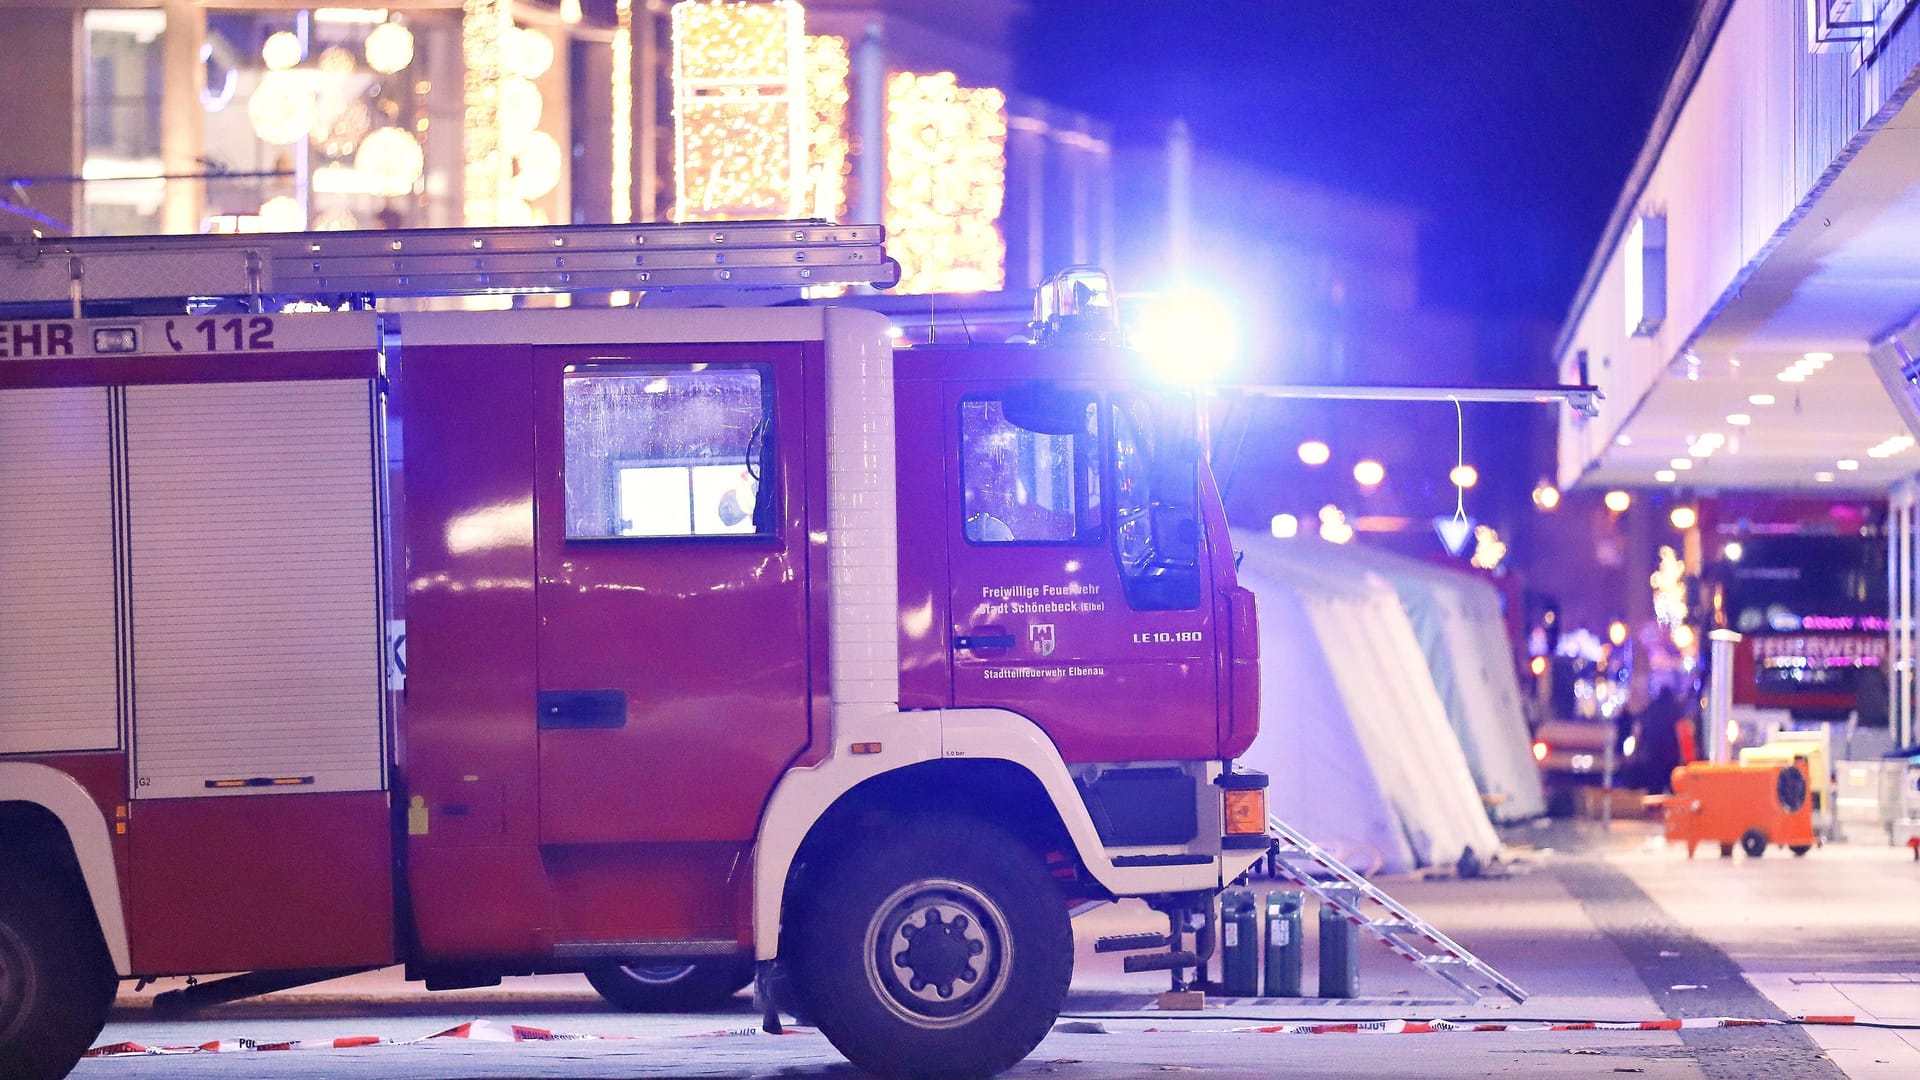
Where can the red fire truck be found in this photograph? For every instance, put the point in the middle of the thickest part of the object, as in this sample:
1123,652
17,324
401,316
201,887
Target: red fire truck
648,643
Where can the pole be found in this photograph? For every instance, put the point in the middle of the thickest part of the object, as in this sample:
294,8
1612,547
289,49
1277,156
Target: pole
1720,697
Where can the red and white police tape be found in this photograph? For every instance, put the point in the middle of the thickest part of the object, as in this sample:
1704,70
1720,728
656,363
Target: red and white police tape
476,1030
494,1032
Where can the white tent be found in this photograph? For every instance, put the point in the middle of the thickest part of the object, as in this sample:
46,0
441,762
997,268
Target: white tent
1352,730
1458,621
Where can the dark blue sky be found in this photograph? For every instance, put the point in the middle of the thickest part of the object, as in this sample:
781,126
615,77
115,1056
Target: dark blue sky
1513,123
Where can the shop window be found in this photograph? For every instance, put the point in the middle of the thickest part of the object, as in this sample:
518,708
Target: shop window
120,121
664,453
1029,468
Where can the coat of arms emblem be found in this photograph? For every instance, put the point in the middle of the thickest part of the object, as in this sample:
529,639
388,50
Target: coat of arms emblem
1040,636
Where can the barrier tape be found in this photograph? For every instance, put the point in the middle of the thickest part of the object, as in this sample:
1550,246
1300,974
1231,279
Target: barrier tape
474,1030
493,1032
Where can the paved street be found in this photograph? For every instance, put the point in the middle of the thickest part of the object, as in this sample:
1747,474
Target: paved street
1603,927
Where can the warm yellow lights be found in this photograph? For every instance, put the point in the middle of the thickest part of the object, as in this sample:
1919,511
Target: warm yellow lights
389,161
1464,476
484,27
1684,517
1333,525
281,51
1285,526
570,12
946,181
282,214
828,68
520,109
528,52
1537,665
1734,551
282,107
1545,495
1489,551
1314,452
536,166
1683,637
1369,473
1617,633
1618,501
622,110
389,48
1669,583
1665,476
742,115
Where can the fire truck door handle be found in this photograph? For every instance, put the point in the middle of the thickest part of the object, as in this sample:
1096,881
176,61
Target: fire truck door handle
583,708
997,639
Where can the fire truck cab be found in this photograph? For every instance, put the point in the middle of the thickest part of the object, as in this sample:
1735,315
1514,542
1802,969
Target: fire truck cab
676,646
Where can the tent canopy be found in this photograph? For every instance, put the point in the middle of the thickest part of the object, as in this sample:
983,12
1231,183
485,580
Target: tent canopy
1459,623
1353,730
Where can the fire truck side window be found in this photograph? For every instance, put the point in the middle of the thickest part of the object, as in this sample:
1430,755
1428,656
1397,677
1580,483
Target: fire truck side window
1030,467
658,453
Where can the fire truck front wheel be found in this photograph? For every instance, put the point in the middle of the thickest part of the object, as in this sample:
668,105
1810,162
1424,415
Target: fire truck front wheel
56,980
938,950
686,986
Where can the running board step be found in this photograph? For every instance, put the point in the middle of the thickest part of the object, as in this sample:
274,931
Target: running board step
1130,943
1391,923
1166,961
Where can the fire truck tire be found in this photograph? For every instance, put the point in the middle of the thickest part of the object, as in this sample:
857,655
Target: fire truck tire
56,979
938,950
1754,843
688,986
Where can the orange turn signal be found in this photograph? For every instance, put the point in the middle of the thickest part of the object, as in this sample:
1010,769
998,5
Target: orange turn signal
1246,812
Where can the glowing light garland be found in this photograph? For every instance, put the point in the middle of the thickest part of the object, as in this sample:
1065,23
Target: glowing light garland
946,182
484,27
1669,583
741,113
623,111
828,68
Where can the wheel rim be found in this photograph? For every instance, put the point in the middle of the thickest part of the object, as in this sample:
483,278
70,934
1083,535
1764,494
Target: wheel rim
656,974
938,953
16,983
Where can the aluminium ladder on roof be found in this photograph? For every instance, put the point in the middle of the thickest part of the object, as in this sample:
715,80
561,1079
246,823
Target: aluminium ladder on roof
444,262
1307,864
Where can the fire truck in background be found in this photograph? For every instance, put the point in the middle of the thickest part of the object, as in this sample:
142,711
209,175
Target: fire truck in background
646,643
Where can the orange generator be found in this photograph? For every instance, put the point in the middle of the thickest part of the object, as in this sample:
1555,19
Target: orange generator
1750,805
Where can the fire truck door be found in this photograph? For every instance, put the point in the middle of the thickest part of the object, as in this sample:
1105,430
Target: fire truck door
672,591
1044,620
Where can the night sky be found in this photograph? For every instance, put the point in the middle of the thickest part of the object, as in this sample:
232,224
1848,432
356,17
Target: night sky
1512,122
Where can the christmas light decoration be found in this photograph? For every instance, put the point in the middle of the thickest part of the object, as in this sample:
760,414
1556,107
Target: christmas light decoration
389,162
536,166
946,182
529,53
623,111
281,51
484,26
389,48
741,114
828,68
281,109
